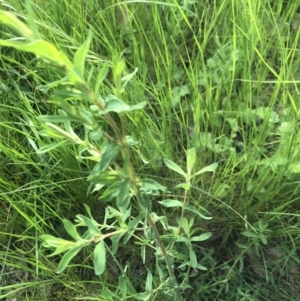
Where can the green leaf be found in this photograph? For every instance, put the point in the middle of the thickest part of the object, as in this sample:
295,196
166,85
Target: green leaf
96,134
182,239
87,119
145,202
125,79
133,223
202,237
111,192
99,258
109,155
31,19
13,22
113,104
193,259
71,229
115,240
123,192
56,118
143,253
101,76
201,267
191,159
149,185
42,49
196,211
171,165
51,241
81,54
185,186
67,258
210,168
149,280
91,224
49,147
170,203
105,177
122,286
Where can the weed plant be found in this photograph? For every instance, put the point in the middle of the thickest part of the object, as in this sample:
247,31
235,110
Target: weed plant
219,81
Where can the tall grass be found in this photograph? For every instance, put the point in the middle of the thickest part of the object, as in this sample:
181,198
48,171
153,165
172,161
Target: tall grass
221,76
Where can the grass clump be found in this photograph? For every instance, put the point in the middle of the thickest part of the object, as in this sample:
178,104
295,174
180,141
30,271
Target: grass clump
217,137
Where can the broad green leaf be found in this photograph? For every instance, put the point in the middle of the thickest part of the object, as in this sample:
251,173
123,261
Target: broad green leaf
210,168
123,192
170,203
196,211
101,76
49,147
81,54
193,259
99,258
202,237
71,229
67,258
170,164
191,159
149,280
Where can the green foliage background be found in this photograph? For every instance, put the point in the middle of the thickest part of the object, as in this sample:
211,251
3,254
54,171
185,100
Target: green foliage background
220,76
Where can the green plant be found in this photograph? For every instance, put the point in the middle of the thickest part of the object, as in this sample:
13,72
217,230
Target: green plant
128,213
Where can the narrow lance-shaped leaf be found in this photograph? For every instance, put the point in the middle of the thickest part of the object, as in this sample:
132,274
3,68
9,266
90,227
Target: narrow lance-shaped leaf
101,76
67,258
193,259
191,159
80,55
71,229
196,211
170,203
13,22
41,49
123,192
172,165
210,168
202,237
99,258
